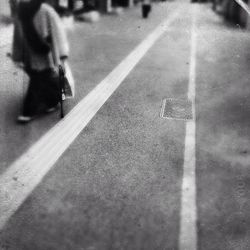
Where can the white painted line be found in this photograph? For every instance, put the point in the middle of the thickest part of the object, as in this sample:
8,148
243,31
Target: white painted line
163,107
188,216
27,172
243,5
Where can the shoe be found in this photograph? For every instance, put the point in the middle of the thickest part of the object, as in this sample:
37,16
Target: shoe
24,118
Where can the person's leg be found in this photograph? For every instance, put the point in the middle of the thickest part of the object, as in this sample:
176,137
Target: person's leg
31,101
43,94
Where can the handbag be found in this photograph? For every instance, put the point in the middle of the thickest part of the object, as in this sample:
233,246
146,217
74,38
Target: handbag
67,85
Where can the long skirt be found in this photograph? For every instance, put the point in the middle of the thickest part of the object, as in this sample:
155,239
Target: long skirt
43,92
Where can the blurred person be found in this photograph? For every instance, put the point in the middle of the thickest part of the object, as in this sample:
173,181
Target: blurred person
43,46
16,33
146,8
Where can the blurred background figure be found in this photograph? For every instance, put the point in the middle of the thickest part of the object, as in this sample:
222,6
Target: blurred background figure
146,8
86,11
17,37
232,11
40,47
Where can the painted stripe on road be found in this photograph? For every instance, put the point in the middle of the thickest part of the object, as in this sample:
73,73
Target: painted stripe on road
243,5
27,172
188,216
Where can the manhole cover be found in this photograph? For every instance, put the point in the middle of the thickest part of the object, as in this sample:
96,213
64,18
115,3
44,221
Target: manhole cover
180,109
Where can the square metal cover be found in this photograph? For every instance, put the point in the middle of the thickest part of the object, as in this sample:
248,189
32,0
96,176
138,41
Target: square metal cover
180,109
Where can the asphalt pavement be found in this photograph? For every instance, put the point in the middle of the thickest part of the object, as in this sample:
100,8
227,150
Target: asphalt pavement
119,184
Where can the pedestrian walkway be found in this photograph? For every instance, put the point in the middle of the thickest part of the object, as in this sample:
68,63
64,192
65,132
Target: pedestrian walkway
5,23
5,35
114,174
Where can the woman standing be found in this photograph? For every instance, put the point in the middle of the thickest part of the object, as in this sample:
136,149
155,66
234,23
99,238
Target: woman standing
43,47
